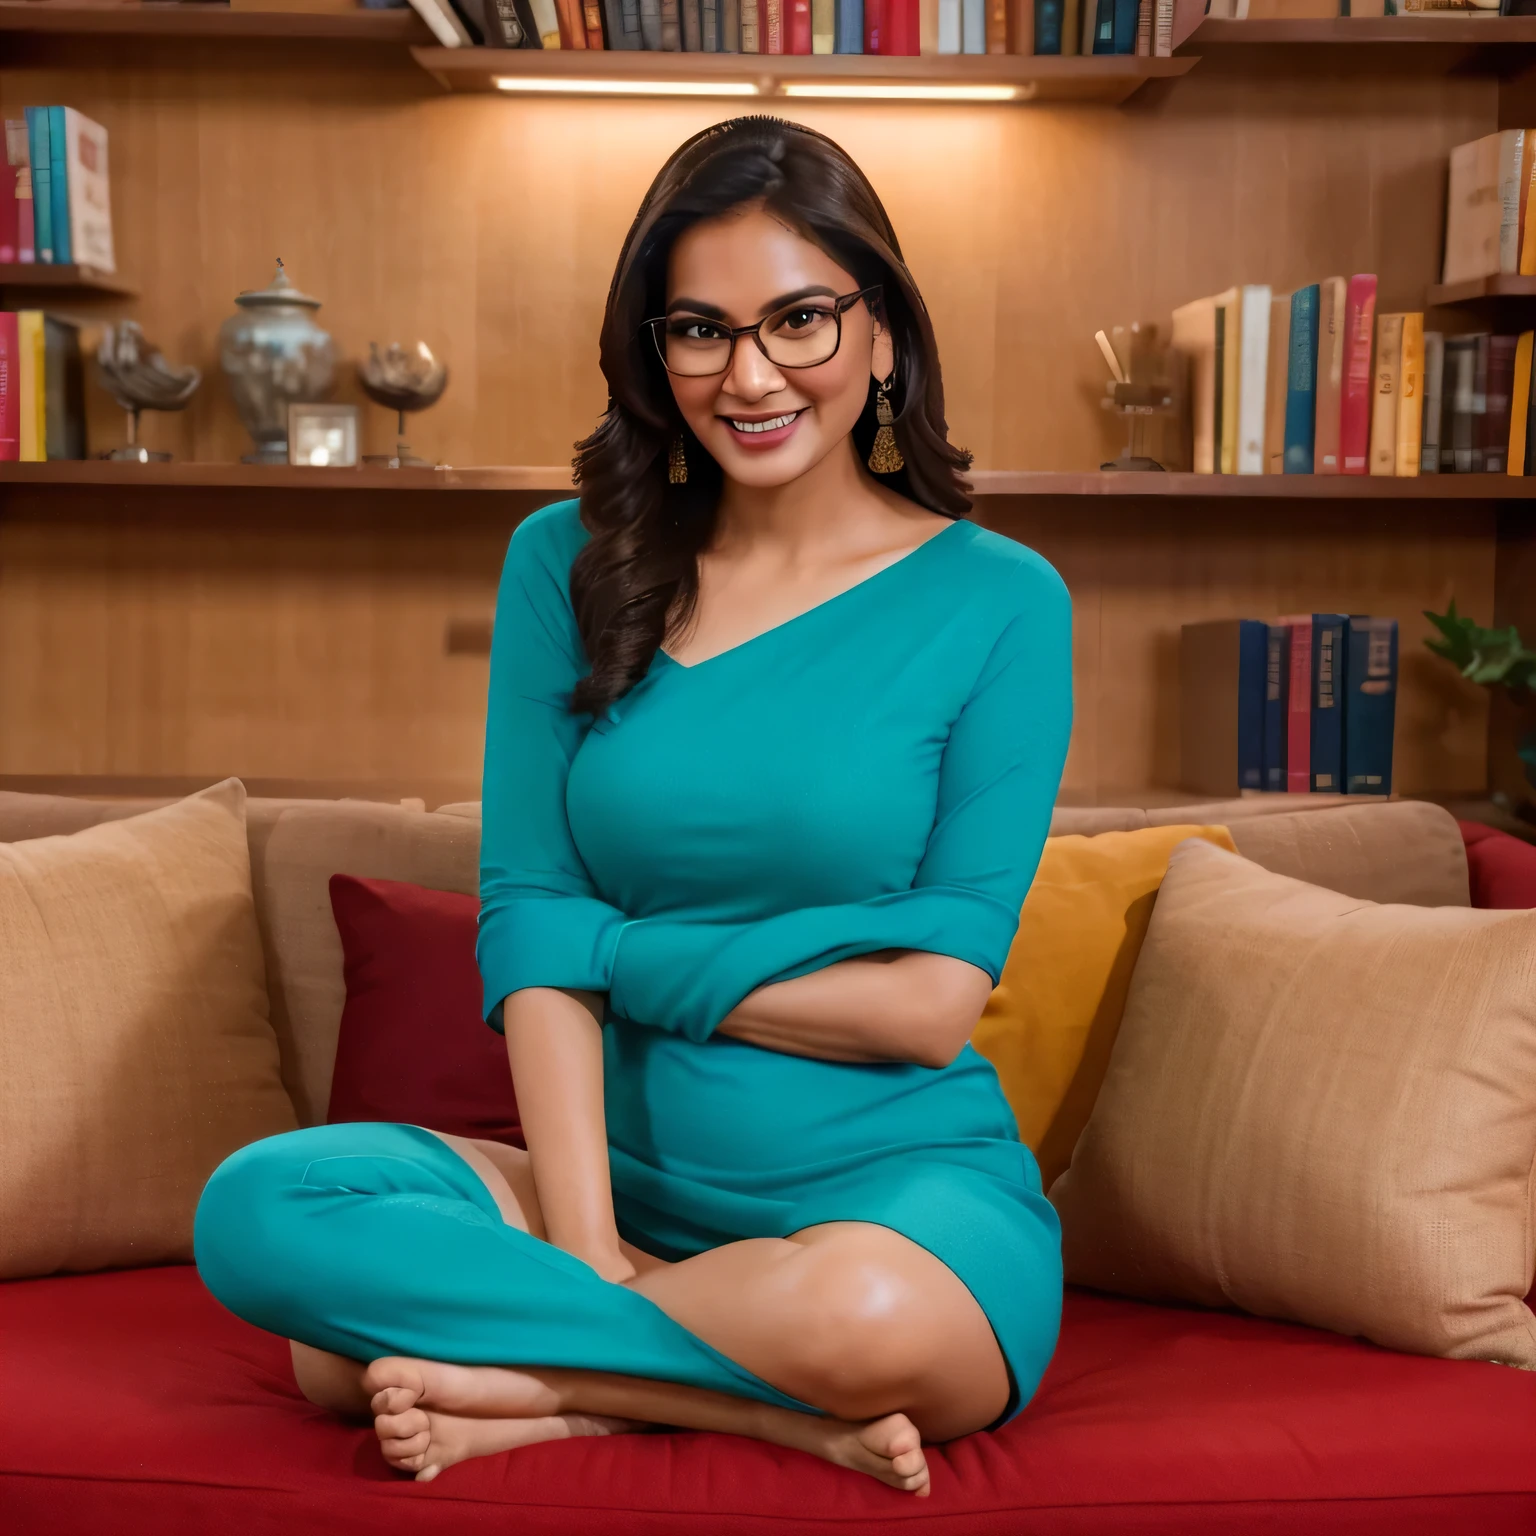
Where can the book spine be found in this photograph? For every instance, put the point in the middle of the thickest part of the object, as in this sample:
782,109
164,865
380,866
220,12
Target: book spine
1252,664
1298,710
1389,362
874,25
26,241
1434,398
730,25
10,388
1103,25
1355,405
1075,16
42,182
10,216
752,27
32,430
690,16
797,22
1275,384
1479,431
58,188
1162,29
1253,328
506,26
1125,26
1330,376
1460,368
1301,382
1370,705
1231,389
1219,428
997,26
949,26
1528,224
592,19
1520,404
1277,661
1410,397
823,25
709,26
904,28
1511,184
973,26
1327,703
1530,425
1048,26
1502,351
1144,29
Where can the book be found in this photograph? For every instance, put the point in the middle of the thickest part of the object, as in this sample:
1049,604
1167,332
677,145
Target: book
10,387
730,24
1103,34
546,22
949,26
1331,330
1274,384
1355,404
650,25
797,25
1389,361
508,24
31,355
1527,223
1434,415
823,25
1229,341
1301,381
1480,355
1075,14
1222,685
20,182
1483,207
690,18
445,24
1162,29
63,390
1298,705
1144,29
1021,27
1125,26
1410,397
1048,14
904,27
1194,338
89,216
1502,352
1520,402
39,159
709,26
10,216
1277,681
1327,748
58,185
1370,704
1530,425
771,23
1460,382
1252,370
592,22
997,26
973,26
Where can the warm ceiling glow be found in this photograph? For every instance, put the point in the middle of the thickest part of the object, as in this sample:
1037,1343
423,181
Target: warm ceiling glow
896,92
559,85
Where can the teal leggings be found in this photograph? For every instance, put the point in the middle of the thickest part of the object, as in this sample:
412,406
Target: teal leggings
379,1239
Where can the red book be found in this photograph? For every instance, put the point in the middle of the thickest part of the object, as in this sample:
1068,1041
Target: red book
1298,721
1355,407
903,28
10,216
799,39
875,40
772,26
592,20
10,388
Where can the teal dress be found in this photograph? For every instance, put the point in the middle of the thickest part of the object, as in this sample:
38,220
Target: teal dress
875,773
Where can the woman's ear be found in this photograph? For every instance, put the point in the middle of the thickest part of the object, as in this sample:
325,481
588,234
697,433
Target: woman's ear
882,355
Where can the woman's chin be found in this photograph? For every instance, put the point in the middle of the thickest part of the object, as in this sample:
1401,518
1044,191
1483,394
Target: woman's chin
763,469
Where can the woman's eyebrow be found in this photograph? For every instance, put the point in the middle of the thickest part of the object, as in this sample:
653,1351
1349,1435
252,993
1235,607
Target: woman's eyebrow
714,312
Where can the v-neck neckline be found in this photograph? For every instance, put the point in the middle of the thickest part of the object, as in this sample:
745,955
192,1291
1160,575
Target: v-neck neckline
815,608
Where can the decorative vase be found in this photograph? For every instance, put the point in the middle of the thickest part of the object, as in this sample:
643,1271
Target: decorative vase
274,356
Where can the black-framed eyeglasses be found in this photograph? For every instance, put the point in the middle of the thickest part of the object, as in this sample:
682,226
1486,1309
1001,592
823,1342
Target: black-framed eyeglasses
800,335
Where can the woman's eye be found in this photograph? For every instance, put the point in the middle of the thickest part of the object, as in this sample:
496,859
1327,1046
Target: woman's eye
798,321
695,330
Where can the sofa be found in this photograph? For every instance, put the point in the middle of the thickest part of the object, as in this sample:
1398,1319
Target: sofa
137,1405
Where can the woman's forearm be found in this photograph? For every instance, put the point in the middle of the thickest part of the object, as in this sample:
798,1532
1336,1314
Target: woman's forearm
893,1005
555,1047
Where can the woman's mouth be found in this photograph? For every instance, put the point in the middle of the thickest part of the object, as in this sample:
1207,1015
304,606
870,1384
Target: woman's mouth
768,432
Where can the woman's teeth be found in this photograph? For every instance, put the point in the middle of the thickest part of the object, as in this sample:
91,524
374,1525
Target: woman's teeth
771,425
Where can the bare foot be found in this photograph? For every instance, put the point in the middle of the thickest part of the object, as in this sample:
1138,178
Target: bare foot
889,1449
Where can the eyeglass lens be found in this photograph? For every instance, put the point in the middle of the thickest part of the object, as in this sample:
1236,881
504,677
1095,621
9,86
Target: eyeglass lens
797,336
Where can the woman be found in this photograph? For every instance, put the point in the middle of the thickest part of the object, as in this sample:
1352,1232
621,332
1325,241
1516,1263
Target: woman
772,746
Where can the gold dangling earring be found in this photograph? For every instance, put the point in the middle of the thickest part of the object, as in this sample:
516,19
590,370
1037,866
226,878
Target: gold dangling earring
677,463
884,456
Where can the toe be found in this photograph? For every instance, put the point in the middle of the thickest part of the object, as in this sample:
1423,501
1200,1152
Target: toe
392,1400
909,1464
412,1447
401,1426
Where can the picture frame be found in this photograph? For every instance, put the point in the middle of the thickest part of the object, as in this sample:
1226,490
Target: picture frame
323,436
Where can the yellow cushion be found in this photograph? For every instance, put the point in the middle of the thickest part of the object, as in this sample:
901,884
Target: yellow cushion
1050,1024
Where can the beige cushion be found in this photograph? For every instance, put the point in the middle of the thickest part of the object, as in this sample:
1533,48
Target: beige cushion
135,1048
1319,1109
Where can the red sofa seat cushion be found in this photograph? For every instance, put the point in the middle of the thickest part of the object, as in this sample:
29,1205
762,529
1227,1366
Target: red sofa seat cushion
1502,868
413,1046
139,1407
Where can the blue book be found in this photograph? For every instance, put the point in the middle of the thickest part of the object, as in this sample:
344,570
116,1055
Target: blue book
1048,26
1252,690
1328,631
42,182
1370,705
1103,25
1301,382
1277,691
58,164
847,26
1125,26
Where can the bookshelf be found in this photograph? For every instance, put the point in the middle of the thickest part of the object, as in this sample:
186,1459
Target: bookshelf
209,21
1483,293
70,277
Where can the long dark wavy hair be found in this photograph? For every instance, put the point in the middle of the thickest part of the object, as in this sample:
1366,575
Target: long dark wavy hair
640,564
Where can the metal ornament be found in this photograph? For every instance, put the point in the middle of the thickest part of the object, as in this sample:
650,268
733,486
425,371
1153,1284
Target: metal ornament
401,379
137,375
884,456
677,463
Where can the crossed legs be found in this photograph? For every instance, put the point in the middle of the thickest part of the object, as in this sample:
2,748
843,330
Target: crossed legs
848,1316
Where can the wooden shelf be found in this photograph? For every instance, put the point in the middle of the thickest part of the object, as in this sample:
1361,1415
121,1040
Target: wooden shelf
1484,291
212,21
555,480
1106,79
1420,45
57,276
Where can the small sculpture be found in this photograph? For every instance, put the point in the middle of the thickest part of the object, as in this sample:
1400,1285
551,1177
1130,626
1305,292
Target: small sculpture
275,355
401,380
135,373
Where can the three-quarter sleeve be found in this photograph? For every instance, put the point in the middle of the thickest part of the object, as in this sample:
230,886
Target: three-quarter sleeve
998,779
542,923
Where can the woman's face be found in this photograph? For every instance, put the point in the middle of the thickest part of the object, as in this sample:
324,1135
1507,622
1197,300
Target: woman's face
736,270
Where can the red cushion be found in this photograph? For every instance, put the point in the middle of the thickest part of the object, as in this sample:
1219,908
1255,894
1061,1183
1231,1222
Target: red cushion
139,1407
413,1046
1502,868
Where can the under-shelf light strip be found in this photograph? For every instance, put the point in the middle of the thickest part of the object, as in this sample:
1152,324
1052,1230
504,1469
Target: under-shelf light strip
571,85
